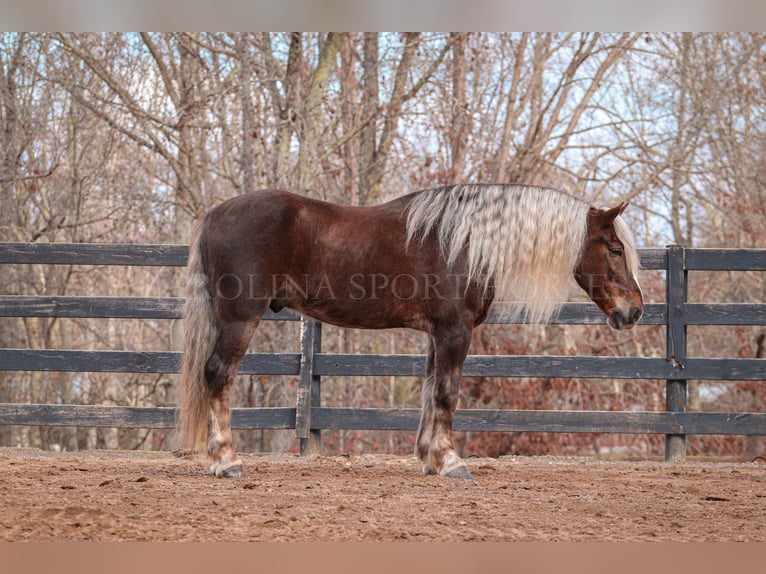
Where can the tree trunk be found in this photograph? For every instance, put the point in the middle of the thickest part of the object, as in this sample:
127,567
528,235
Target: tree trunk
350,151
248,123
308,153
460,118
499,168
285,106
677,153
370,103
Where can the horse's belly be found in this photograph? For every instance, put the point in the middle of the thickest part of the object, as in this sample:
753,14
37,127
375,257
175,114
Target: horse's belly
360,314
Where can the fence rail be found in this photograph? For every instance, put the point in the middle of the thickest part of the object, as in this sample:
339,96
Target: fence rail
308,417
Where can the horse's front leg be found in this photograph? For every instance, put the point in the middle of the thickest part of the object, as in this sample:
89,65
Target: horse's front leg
425,428
434,446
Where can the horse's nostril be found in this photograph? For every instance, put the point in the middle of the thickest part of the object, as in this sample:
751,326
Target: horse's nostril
635,314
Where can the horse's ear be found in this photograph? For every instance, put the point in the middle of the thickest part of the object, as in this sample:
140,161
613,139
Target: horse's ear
623,206
609,215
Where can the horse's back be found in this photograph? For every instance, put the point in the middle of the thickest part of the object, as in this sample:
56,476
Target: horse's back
284,232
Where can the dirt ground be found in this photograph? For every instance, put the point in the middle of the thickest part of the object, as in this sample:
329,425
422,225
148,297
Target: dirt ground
112,496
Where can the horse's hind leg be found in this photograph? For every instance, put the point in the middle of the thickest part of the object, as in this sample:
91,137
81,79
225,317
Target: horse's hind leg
220,370
435,447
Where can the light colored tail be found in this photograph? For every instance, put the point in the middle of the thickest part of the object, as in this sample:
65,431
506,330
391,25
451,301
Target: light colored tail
200,334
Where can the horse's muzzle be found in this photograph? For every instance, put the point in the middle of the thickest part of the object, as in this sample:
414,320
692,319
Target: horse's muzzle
620,320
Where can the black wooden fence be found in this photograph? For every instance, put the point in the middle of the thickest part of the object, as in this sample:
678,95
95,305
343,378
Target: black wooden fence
308,417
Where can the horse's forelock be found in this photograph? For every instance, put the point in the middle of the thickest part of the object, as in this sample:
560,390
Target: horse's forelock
626,237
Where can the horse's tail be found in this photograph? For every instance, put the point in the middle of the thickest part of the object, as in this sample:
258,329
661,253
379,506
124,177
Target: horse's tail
200,334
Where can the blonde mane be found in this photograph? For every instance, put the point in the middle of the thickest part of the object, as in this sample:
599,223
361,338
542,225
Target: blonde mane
631,255
527,241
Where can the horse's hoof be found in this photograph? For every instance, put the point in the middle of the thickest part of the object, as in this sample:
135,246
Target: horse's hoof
236,471
233,471
460,472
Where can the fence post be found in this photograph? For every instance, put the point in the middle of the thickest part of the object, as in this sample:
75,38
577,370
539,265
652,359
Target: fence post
308,387
675,389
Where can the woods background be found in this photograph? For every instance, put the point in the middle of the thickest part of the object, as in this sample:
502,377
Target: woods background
127,138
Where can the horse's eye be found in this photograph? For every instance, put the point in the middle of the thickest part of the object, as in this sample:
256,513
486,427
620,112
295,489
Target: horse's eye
616,251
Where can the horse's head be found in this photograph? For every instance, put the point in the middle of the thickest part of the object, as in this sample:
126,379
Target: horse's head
608,267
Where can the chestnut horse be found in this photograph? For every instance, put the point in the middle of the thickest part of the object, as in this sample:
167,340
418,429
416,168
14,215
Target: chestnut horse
433,260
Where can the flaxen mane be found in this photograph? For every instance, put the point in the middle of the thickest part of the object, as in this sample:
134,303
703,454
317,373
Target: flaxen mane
526,240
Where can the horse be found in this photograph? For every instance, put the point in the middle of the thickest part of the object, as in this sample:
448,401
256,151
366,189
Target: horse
432,260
